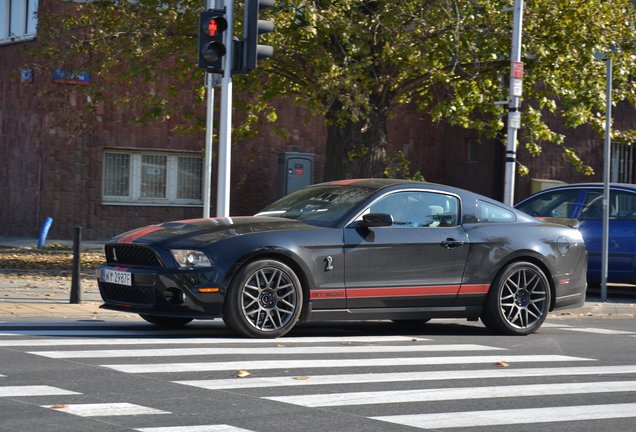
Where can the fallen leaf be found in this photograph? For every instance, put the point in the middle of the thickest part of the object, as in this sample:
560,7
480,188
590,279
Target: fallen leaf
242,374
301,378
59,406
502,364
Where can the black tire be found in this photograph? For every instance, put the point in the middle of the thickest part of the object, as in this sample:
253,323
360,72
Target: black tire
264,300
162,321
519,300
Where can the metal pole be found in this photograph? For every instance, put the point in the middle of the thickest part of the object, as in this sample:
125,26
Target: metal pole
209,127
607,155
76,284
225,136
513,105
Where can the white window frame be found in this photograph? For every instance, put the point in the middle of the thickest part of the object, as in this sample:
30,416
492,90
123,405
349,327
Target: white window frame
134,187
18,20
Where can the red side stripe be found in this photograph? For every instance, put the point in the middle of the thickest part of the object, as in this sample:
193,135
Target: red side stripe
402,291
474,289
420,291
327,294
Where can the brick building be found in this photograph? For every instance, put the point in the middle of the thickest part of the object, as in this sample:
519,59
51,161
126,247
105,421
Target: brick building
108,175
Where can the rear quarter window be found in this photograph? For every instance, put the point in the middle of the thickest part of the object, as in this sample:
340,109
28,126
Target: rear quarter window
487,212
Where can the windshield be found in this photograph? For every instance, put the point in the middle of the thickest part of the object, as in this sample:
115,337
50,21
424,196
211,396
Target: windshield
318,205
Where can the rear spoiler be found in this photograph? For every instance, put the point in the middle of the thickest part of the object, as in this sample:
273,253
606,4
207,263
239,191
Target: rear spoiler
574,223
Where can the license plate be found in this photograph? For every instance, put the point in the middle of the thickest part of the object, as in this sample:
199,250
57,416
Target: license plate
117,277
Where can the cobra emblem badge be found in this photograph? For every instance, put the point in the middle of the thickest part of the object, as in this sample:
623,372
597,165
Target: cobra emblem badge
328,263
114,255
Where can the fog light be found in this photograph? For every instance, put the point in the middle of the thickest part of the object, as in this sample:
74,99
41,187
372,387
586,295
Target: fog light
174,296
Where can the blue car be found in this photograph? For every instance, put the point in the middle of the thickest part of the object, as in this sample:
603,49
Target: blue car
584,202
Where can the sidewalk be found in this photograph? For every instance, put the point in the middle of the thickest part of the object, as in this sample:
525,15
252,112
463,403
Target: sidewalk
39,295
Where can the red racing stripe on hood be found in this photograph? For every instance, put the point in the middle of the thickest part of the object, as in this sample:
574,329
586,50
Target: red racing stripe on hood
129,238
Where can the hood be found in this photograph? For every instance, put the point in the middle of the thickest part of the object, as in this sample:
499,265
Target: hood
201,232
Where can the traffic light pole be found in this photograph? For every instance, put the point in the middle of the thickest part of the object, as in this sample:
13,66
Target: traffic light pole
513,104
207,160
225,134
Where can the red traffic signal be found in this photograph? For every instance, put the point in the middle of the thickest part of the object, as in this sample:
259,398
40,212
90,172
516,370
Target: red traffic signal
212,26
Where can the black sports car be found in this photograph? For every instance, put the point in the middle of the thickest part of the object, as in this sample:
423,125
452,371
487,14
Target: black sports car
355,249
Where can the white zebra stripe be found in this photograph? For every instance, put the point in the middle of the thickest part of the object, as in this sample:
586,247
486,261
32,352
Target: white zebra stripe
34,390
334,363
201,428
282,350
459,393
105,409
204,341
599,331
513,416
290,381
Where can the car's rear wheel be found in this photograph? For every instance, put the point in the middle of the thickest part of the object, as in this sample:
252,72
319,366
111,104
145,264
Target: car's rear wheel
264,300
518,301
171,322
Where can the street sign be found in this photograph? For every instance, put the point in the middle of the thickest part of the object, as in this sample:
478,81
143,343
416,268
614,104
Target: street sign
517,87
517,70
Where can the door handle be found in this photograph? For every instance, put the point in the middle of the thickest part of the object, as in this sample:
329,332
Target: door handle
451,243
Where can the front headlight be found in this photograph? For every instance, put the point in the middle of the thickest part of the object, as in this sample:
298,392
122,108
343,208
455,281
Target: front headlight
187,258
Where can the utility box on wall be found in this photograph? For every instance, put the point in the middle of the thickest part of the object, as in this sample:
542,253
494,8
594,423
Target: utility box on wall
295,171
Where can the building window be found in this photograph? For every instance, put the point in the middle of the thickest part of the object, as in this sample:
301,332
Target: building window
151,178
473,150
623,168
18,20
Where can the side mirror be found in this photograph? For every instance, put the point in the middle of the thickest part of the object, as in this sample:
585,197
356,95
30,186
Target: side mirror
375,220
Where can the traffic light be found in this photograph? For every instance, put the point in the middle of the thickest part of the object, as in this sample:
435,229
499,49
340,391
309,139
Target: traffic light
212,26
254,27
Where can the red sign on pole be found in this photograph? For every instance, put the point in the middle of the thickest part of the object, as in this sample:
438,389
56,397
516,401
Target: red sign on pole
517,70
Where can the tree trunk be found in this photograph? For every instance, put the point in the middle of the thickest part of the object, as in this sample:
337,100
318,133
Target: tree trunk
355,149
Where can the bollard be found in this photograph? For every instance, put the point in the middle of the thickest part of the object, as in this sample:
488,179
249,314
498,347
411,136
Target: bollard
76,288
44,232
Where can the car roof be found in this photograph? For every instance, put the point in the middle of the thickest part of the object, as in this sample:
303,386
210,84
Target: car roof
591,185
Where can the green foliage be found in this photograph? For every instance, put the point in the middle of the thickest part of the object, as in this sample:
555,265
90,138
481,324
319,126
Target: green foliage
354,61
398,166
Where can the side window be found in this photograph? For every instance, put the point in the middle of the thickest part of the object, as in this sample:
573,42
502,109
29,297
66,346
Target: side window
492,213
552,204
625,205
419,209
622,206
593,207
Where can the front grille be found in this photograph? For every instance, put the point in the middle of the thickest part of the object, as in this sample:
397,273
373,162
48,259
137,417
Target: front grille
131,255
143,296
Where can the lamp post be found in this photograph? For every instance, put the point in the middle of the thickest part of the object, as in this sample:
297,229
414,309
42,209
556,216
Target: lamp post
607,156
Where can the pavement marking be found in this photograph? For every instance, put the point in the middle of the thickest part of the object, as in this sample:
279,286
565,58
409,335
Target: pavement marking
201,428
554,325
34,390
312,380
600,331
204,341
9,334
451,394
105,409
250,364
513,416
282,350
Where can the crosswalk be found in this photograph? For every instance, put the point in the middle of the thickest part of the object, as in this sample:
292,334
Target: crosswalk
419,382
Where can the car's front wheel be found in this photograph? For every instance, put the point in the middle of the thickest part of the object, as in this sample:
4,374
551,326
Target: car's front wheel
162,321
518,301
264,300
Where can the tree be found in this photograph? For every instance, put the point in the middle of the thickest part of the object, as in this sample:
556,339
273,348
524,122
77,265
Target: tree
354,61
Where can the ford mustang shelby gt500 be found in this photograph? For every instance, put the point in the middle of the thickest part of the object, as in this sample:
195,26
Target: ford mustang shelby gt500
355,249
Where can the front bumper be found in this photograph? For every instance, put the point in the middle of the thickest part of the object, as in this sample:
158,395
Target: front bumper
164,293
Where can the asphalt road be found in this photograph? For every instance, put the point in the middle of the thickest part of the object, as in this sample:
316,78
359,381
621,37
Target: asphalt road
576,374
